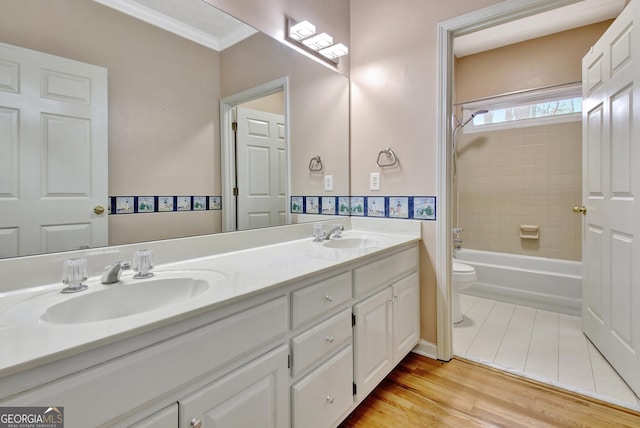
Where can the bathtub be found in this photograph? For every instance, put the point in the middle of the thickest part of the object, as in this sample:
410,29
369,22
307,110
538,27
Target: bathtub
551,284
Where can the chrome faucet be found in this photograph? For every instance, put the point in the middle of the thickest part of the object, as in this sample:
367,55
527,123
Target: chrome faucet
111,273
335,232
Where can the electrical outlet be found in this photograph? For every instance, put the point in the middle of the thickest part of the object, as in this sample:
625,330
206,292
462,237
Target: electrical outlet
374,181
328,183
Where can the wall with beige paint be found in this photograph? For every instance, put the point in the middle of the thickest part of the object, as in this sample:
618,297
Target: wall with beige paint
318,108
163,105
544,61
526,176
394,90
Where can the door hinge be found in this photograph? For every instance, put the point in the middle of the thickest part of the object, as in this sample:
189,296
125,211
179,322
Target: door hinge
234,126
235,191
289,361
353,320
355,389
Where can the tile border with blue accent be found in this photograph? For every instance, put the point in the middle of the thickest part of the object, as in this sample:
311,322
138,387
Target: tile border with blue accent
400,207
119,205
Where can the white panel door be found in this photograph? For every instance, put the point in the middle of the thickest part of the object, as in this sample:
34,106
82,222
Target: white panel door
261,169
611,186
53,153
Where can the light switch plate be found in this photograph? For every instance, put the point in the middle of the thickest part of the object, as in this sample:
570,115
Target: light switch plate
374,181
328,183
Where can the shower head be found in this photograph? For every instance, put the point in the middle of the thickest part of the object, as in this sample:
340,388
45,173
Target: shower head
473,115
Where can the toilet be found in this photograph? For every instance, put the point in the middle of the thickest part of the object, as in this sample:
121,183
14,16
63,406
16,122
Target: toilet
462,276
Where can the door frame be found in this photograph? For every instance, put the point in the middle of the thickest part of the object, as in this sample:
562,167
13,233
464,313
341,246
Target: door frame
509,10
227,147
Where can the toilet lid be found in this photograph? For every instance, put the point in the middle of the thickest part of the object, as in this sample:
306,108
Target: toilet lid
462,268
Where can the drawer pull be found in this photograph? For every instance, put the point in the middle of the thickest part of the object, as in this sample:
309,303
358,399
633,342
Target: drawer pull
330,339
330,399
329,298
196,423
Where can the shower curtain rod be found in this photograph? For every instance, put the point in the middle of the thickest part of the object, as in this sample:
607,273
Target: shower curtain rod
521,91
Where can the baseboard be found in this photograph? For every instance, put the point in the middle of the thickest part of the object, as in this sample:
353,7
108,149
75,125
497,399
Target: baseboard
426,349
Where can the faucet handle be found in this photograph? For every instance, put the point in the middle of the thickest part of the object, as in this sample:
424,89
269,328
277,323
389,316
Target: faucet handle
73,274
142,264
457,230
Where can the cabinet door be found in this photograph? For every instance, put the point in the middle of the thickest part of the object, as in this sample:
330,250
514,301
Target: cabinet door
373,341
165,418
255,395
406,315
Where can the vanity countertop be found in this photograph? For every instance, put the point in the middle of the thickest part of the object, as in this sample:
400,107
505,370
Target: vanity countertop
28,341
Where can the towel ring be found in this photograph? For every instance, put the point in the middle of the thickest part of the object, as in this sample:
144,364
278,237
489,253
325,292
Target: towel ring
389,154
315,164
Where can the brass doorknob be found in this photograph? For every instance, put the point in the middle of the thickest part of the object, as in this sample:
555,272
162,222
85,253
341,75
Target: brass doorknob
99,209
581,209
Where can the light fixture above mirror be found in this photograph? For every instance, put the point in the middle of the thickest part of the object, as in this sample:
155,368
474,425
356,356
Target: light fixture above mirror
303,34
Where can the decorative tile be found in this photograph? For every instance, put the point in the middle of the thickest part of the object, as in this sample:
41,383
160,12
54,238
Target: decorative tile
328,205
125,204
343,205
399,207
312,205
424,207
183,203
297,204
375,206
215,202
199,203
356,207
146,204
165,203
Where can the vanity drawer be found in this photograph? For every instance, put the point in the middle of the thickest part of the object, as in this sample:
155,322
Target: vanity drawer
324,395
316,299
382,272
316,344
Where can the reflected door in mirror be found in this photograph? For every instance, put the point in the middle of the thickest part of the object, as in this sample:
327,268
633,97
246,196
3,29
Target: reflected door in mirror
261,169
53,151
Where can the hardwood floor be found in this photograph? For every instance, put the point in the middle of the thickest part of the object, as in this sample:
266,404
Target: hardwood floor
422,392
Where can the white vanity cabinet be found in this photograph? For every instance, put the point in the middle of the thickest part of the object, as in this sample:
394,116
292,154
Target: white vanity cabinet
301,354
387,324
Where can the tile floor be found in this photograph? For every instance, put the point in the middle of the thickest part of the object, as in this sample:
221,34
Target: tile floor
543,345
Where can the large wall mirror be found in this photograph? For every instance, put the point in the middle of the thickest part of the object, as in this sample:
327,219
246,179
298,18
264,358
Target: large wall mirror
162,119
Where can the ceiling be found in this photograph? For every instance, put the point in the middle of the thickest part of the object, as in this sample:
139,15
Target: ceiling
195,20
564,18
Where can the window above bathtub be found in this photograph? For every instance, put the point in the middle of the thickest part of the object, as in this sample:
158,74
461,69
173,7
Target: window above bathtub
525,108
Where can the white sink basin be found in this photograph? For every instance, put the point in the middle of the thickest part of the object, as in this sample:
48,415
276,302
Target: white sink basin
122,300
353,242
129,297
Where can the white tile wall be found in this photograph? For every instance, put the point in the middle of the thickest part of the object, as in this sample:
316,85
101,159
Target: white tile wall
522,176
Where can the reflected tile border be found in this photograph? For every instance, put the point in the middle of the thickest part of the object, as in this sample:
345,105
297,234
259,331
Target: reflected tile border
163,203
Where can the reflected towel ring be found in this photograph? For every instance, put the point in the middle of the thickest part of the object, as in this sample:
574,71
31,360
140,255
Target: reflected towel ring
390,154
315,164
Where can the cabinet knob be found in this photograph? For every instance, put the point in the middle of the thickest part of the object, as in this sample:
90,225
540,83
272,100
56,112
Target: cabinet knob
329,297
330,399
196,423
330,339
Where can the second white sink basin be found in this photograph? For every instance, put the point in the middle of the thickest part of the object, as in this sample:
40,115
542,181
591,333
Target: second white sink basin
122,300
